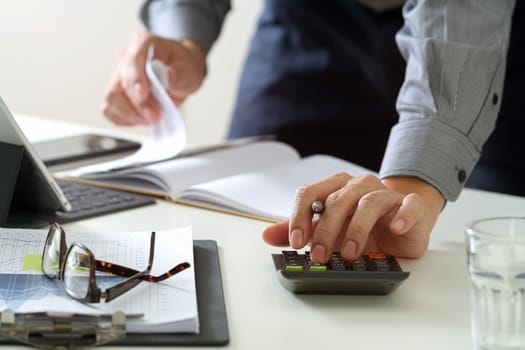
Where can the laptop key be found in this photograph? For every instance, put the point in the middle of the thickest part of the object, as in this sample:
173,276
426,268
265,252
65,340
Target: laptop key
91,201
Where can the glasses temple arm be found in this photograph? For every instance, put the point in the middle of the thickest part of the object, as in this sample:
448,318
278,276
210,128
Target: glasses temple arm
116,269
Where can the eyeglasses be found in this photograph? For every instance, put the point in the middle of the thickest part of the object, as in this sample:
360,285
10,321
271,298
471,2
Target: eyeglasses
76,267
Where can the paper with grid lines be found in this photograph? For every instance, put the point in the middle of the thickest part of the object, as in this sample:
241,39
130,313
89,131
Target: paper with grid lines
167,306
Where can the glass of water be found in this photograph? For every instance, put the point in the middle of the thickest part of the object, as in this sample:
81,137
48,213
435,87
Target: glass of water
496,266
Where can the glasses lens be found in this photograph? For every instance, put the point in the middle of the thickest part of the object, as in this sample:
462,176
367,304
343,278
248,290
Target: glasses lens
51,255
76,272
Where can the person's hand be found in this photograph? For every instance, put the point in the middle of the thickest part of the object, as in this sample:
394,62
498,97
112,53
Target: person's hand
361,214
128,99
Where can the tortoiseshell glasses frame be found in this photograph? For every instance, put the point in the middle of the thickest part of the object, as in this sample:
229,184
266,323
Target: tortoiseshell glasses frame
76,268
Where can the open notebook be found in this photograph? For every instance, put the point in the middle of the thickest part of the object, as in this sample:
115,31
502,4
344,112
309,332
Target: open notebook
258,179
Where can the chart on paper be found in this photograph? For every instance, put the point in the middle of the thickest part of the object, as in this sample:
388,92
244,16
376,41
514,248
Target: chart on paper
21,250
24,288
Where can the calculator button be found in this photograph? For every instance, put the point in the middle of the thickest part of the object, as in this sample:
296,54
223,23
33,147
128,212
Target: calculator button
294,268
381,265
318,267
338,266
289,253
357,266
336,262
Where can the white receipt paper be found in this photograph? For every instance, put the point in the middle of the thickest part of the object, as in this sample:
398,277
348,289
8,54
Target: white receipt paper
169,133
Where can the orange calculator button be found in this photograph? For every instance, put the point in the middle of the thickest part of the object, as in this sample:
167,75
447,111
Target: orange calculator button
376,256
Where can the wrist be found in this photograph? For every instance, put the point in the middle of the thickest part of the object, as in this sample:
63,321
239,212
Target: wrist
431,196
198,56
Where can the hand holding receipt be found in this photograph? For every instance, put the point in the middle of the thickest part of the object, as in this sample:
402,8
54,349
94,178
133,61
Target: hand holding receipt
169,133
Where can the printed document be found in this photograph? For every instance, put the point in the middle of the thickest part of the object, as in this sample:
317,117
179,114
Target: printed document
167,306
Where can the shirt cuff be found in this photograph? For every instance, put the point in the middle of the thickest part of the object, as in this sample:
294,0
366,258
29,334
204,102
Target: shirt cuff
432,151
180,21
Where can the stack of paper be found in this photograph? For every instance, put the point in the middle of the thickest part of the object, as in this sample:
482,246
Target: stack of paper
167,306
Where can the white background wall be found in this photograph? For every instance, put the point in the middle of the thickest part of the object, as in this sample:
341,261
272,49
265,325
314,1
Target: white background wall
56,57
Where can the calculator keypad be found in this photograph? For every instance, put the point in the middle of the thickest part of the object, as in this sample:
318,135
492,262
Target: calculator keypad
293,261
372,273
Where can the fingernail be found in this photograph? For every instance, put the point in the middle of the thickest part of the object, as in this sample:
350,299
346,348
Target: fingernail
317,253
148,116
137,89
398,225
349,249
296,238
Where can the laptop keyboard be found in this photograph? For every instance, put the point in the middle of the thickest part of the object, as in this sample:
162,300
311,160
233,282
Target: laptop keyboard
90,201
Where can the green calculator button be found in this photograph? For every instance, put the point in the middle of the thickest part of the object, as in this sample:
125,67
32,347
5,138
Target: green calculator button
294,267
317,267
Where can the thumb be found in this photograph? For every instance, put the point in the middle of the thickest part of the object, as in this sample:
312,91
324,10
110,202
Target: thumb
134,79
276,234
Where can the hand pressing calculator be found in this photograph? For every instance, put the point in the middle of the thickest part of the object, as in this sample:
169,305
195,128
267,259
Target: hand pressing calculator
373,273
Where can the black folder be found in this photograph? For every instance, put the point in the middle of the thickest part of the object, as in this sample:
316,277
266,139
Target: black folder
210,301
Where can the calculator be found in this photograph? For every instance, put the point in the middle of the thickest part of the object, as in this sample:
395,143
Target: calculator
372,273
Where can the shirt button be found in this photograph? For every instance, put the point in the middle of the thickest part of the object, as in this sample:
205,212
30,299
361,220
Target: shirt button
462,176
495,99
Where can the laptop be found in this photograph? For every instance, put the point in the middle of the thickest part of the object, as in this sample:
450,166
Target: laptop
39,199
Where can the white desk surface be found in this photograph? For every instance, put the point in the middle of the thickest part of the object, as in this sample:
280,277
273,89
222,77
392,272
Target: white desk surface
430,310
